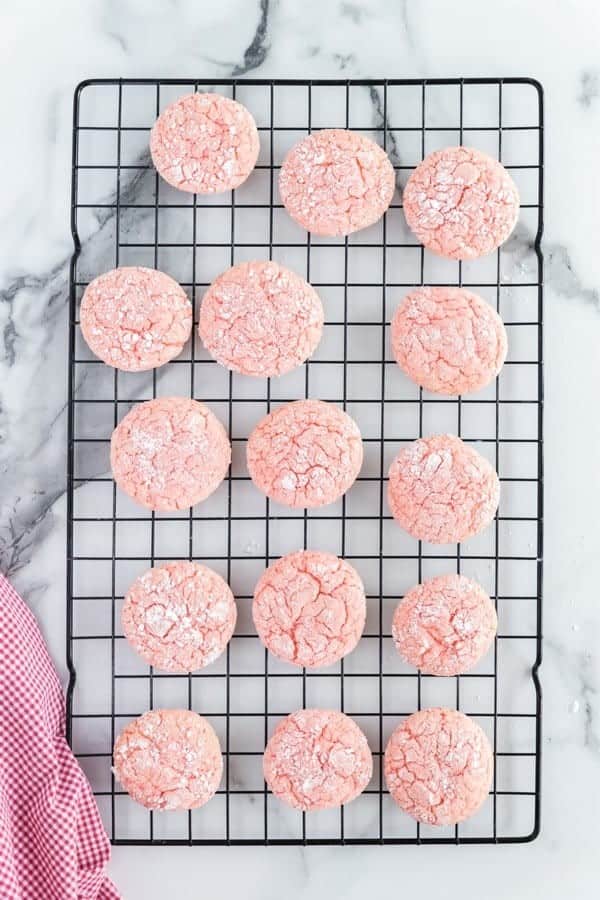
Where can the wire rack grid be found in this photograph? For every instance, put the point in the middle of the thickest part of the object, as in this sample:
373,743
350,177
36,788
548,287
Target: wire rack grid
122,213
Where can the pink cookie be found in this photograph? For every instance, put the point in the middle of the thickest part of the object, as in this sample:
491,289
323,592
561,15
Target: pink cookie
439,766
448,340
317,759
461,203
307,453
259,318
309,608
335,182
445,625
135,318
168,759
179,616
169,453
441,490
204,144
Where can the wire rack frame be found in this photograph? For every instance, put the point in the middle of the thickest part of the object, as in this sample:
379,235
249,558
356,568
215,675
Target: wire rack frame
268,824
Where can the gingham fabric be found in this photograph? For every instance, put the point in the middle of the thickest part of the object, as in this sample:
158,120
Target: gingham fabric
52,842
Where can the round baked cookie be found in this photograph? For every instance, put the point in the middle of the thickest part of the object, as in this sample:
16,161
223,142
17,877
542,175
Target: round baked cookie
439,766
335,182
309,608
179,616
135,318
259,318
168,759
448,340
204,144
461,203
317,759
441,490
445,625
169,453
305,454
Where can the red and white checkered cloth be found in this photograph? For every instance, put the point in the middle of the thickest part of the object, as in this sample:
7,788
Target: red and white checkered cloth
52,842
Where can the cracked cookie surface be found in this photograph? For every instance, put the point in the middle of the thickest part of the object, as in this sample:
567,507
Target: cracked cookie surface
438,766
168,759
448,340
169,453
445,625
259,318
335,182
317,759
305,454
461,203
204,144
134,318
309,608
441,490
179,616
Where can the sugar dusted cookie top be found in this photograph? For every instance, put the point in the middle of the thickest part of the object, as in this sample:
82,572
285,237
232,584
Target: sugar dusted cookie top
461,203
168,759
444,625
305,454
309,608
335,182
135,318
169,453
448,340
317,759
179,616
441,490
259,318
204,144
438,766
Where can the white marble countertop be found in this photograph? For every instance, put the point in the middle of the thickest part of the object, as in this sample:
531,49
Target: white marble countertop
50,48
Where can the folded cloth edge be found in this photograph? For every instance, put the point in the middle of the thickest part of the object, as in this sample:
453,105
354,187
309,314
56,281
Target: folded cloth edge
52,840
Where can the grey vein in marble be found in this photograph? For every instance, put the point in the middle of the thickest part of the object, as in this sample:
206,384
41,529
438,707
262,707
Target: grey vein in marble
43,462
257,50
577,669
561,274
589,88
344,60
352,11
518,256
381,121
24,514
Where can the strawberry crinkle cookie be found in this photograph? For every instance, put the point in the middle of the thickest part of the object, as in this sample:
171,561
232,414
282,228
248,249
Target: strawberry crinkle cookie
448,340
461,203
445,625
317,759
168,759
439,766
305,454
259,318
441,490
309,608
335,182
179,616
169,453
204,144
135,318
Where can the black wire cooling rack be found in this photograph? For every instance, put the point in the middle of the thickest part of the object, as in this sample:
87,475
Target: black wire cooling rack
122,213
